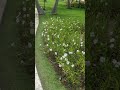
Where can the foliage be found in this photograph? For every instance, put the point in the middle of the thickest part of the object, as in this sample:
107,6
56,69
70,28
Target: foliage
76,4
102,46
25,23
64,44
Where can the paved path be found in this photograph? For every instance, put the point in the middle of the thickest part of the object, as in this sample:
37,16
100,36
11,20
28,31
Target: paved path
38,85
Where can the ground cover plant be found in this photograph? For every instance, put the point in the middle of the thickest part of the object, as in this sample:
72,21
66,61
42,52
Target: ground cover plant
25,24
64,46
13,75
102,47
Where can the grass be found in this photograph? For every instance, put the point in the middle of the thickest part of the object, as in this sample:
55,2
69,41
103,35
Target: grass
62,10
12,75
46,71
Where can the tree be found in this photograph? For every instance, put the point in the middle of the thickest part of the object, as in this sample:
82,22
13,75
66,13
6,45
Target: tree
39,9
54,10
79,4
68,4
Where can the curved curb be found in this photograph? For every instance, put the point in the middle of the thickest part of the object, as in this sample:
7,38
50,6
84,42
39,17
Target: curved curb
38,85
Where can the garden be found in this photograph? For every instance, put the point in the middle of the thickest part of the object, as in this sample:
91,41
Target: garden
60,45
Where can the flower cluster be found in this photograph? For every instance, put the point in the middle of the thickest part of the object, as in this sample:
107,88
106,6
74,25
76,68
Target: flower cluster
64,40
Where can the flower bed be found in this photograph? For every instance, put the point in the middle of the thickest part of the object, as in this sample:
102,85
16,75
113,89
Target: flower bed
64,46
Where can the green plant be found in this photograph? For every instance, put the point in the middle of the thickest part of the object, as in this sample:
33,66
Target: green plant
64,46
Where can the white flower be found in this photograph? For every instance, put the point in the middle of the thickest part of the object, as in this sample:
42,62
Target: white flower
74,43
55,53
112,40
23,22
61,58
40,45
31,24
12,44
24,15
83,52
116,65
72,65
67,62
64,44
95,41
29,45
60,65
102,59
65,55
81,43
114,61
92,34
111,33
24,9
32,31
48,39
61,29
28,15
106,3
58,36
73,40
78,51
87,63
111,45
50,49
66,59
17,20
42,34
48,36
70,52
46,44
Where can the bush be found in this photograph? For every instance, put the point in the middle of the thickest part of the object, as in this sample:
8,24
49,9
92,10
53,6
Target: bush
76,4
64,45
25,24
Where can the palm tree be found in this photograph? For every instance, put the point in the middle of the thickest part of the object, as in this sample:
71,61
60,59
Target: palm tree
68,4
39,9
79,4
54,10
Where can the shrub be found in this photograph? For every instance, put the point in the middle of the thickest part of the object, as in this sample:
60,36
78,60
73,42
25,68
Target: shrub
64,45
25,24
76,4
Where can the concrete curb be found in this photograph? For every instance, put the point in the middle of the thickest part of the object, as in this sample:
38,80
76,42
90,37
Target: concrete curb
38,85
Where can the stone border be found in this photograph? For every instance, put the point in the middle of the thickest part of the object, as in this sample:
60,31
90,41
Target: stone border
2,7
38,85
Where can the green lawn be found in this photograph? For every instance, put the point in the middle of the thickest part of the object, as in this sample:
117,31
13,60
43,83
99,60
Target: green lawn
13,75
49,79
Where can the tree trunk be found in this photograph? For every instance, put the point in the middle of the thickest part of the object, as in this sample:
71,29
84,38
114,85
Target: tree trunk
54,10
79,4
68,4
39,9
